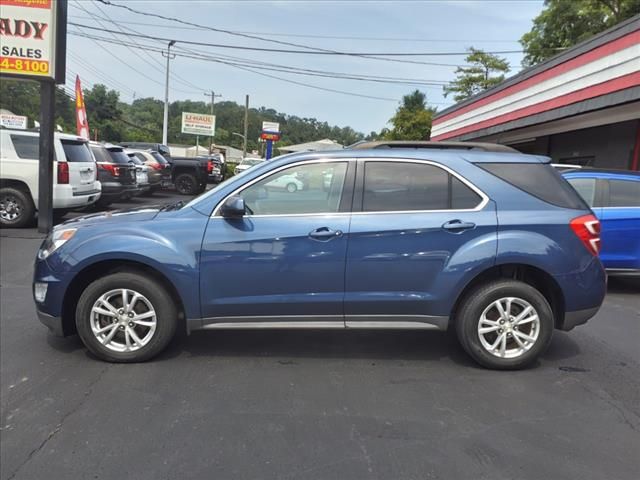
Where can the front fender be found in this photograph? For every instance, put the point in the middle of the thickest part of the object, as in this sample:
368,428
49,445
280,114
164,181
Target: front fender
175,254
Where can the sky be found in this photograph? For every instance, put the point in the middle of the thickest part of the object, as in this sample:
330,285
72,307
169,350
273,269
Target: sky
362,26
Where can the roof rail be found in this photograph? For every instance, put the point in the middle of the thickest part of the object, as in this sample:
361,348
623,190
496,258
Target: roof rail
484,147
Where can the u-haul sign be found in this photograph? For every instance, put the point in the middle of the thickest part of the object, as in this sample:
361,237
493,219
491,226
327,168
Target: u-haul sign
198,124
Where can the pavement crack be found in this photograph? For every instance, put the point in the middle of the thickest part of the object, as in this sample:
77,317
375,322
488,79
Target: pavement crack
87,393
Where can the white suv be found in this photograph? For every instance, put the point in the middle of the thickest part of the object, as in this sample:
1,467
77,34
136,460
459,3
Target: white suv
74,175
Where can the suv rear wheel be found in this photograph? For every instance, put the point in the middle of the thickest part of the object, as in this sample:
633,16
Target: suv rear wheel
16,207
126,317
504,325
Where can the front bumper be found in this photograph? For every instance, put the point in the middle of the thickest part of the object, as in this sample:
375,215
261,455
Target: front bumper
54,324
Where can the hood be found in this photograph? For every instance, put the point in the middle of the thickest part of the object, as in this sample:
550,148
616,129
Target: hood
138,214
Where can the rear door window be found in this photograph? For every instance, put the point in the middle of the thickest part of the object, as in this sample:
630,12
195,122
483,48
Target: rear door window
624,193
404,186
76,151
26,146
540,180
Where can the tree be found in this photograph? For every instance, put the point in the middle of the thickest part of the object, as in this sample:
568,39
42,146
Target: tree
412,120
104,114
564,23
484,71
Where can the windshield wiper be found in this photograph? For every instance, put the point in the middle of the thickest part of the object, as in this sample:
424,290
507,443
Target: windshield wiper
172,206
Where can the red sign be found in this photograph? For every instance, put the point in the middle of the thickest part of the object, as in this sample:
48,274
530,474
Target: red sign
273,136
82,123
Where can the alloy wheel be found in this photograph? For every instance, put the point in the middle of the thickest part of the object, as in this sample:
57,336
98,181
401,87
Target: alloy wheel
123,320
509,327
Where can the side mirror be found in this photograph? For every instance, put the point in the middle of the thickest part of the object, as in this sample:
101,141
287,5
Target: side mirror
233,207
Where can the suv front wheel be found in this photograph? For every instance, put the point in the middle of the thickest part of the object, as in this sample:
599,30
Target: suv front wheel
504,325
126,317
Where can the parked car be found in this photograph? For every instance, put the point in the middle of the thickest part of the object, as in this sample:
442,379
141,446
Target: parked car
247,163
157,147
166,168
155,171
189,175
614,196
74,175
290,183
116,175
453,244
142,172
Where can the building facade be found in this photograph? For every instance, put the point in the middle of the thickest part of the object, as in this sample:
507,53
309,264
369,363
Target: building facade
579,107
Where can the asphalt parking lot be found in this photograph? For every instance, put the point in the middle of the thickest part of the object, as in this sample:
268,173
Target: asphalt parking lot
314,405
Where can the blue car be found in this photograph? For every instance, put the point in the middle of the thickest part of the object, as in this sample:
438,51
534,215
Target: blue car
487,242
614,196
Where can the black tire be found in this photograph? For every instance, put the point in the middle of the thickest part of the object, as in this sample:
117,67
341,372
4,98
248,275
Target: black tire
186,184
15,201
292,187
155,293
472,308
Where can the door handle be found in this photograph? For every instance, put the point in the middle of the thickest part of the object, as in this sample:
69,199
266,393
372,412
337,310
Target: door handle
324,233
458,226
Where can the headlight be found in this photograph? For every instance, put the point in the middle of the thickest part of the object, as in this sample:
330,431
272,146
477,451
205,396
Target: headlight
54,241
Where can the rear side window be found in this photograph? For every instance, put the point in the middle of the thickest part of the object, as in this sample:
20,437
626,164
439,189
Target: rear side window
402,186
586,187
26,146
540,180
118,156
76,151
624,193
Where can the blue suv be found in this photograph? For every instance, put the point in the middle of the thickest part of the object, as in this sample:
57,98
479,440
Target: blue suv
478,239
614,197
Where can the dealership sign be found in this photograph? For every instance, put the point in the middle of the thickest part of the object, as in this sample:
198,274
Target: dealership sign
13,121
28,37
272,127
198,124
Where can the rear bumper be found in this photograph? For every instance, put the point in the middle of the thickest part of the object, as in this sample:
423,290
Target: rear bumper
577,317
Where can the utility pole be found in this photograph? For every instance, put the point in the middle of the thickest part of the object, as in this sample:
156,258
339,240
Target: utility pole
246,125
165,123
213,97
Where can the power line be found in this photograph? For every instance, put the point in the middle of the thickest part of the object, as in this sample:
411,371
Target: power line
303,52
308,35
135,53
236,61
249,67
158,65
256,72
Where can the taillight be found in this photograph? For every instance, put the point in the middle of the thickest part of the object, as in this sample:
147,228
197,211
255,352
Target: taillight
587,229
63,173
156,166
209,166
111,168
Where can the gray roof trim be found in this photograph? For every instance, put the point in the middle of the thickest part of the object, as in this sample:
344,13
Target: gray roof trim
620,30
616,98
